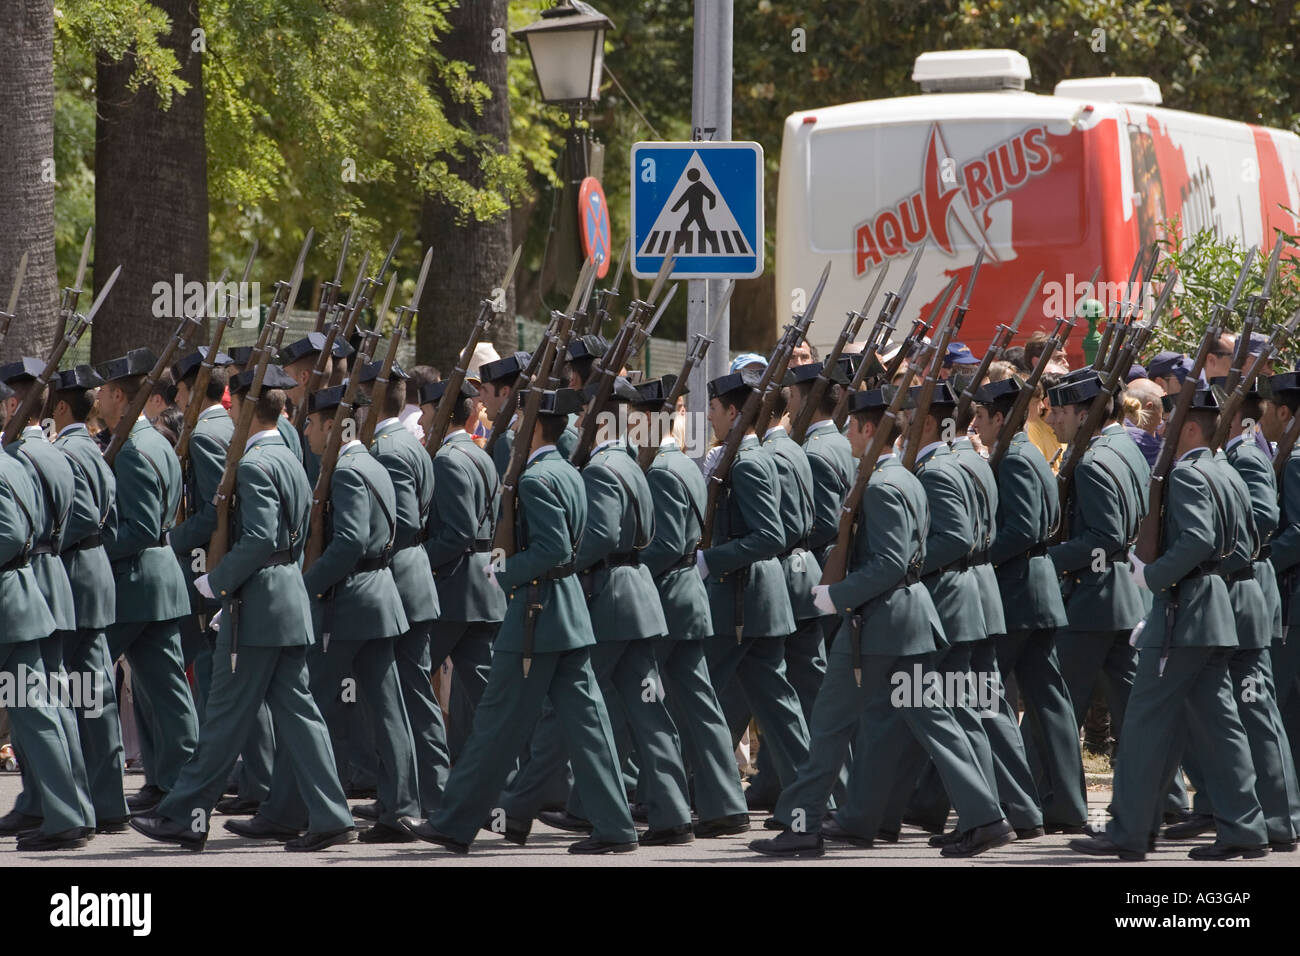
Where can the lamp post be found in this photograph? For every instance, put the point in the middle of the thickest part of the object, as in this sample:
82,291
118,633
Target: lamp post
567,50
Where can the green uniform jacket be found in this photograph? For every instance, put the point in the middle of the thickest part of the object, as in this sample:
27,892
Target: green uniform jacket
1253,613
293,441
462,524
272,507
833,468
1105,508
24,616
985,486
623,602
678,495
501,450
798,564
359,526
94,509
1028,513
1256,470
950,540
550,517
898,614
748,536
1194,535
411,470
150,583
56,487
201,476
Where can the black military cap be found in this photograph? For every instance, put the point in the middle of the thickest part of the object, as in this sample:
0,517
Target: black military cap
328,399
312,345
588,346
1278,385
656,391
1076,392
746,378
276,377
134,362
806,374
431,392
1205,400
867,399
943,395
1220,382
623,391
26,369
990,393
1078,375
191,362
503,367
560,403
371,372
82,377
241,355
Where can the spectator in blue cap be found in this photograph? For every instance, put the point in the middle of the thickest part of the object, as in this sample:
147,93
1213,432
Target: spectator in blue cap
1169,370
958,354
1135,372
747,360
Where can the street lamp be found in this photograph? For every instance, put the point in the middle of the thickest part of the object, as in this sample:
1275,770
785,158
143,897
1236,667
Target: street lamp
567,47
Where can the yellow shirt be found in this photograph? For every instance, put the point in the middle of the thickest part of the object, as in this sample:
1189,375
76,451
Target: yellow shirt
1044,439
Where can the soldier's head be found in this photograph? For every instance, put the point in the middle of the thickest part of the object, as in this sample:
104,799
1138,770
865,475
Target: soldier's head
647,422
1283,393
611,422
1202,420
186,372
805,353
553,416
940,423
22,378
418,376
271,400
123,378
582,355
322,411
299,360
799,383
462,409
162,397
1219,359
727,396
5,394
74,395
867,417
993,404
1071,401
394,395
496,378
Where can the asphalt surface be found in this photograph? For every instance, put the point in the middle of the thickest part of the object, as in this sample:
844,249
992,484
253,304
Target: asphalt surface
548,847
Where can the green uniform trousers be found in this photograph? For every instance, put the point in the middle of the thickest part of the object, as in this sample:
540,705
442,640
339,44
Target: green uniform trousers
428,733
85,652
1193,698
153,649
277,678
469,645
506,714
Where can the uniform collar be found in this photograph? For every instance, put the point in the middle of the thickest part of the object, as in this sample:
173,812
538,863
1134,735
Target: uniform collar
772,431
539,453
1200,452
32,431
750,440
454,434
818,426
71,429
215,408
933,448
352,447
387,423
605,444
259,436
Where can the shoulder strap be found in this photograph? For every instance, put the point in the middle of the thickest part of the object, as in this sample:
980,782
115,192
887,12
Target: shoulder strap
388,518
1130,525
58,521
690,501
639,540
489,487
162,488
90,484
986,518
294,531
573,539
27,515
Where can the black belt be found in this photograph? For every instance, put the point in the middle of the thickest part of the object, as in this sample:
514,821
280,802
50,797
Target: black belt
1034,551
15,563
687,560
86,543
619,559
372,564
1265,552
556,573
1241,574
42,547
1203,570
961,564
785,554
284,556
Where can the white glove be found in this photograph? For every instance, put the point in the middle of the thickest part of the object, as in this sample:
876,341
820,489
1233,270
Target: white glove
203,587
822,598
701,565
489,571
1137,632
1139,572
215,623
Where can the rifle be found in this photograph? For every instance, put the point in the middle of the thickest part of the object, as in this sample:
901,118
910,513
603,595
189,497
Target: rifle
1126,327
852,325
18,420
405,316
699,347
344,324
837,561
919,329
1002,337
881,332
912,443
762,395
442,414
608,295
798,333
1287,441
1118,307
329,291
1254,312
73,292
223,500
563,330
504,542
1015,419
1246,381
7,317
204,374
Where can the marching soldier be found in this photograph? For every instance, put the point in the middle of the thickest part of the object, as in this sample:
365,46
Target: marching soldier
1028,513
358,614
889,626
496,379
546,624
260,659
411,470
240,356
152,595
1182,670
299,360
678,496
25,622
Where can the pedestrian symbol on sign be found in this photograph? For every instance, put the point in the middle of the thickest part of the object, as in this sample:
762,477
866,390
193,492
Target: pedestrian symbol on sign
694,232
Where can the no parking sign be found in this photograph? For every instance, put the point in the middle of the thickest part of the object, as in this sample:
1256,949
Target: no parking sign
593,222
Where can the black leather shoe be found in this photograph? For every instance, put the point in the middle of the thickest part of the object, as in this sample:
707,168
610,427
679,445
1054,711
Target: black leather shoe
669,836
951,838
757,801
14,823
1175,817
1198,824
260,828
1029,833
73,839
791,845
422,830
237,807
113,825
311,842
367,811
772,823
978,839
640,812
887,836
357,792
167,831
564,820
1282,846
146,800
516,830
383,833
1224,851
593,846
722,826
831,830
1103,846
1073,829
927,825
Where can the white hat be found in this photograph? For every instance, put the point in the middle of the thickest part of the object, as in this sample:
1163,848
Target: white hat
483,353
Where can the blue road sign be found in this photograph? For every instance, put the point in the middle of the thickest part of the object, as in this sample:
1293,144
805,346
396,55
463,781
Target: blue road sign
705,200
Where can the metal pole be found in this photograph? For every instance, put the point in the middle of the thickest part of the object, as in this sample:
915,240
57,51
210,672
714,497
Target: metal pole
710,110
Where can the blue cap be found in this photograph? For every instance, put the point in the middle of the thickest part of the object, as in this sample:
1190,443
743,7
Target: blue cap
1135,372
747,358
959,354
1170,363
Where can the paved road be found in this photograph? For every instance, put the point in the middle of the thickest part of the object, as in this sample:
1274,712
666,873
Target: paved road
547,847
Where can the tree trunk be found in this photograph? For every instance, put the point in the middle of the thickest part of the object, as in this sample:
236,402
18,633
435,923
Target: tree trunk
470,257
151,194
27,174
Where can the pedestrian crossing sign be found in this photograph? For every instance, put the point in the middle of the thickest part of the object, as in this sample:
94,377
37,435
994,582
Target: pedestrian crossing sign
703,199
